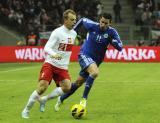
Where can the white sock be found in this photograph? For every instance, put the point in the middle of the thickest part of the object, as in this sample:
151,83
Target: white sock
55,93
44,98
34,96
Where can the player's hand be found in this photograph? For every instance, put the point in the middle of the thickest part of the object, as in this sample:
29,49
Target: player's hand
57,57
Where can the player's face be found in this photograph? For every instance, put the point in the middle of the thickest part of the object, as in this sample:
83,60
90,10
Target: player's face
104,23
70,21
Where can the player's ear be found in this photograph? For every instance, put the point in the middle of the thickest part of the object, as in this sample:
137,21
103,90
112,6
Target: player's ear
110,23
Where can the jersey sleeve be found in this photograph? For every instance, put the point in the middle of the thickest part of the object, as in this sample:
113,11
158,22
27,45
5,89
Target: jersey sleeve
116,41
87,23
50,43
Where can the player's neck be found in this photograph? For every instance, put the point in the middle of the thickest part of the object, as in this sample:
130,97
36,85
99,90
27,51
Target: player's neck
67,27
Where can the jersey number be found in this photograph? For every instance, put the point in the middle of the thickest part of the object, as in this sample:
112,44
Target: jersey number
98,39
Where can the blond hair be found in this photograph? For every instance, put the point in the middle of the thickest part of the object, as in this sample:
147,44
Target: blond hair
65,13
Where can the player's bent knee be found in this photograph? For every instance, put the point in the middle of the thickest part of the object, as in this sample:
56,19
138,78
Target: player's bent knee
66,86
66,89
40,90
94,74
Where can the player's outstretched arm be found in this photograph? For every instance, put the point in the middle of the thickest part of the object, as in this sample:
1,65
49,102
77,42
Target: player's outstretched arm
117,44
85,22
115,40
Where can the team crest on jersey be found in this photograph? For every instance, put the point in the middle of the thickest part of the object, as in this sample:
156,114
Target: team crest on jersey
69,40
105,35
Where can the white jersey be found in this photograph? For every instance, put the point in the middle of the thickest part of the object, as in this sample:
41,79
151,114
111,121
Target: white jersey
60,42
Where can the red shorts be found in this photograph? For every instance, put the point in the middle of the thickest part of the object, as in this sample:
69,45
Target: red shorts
49,72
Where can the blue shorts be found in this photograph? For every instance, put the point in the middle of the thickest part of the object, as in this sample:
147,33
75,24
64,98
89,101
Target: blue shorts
84,62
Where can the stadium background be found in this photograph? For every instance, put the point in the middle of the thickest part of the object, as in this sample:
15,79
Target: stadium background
124,92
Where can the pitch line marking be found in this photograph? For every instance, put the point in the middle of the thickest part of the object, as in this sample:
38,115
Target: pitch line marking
12,70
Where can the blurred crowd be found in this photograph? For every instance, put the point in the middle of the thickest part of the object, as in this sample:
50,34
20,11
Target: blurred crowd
144,10
117,7
34,16
147,15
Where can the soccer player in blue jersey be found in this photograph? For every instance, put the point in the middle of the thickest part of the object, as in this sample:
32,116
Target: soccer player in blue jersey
99,37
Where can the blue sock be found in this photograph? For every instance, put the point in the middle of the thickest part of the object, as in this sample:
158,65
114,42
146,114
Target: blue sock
88,86
66,95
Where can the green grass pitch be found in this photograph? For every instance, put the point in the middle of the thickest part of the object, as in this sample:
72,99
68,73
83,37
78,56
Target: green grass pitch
122,93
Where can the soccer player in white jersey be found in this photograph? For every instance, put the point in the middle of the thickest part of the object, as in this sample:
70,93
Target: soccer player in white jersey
58,49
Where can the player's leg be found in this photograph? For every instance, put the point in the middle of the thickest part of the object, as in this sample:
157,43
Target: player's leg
44,80
63,80
65,87
81,79
42,86
74,86
93,73
89,68
55,93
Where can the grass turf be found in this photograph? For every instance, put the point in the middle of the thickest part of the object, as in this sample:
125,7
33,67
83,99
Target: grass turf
123,93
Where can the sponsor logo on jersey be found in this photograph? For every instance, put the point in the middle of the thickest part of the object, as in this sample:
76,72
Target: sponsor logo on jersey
69,40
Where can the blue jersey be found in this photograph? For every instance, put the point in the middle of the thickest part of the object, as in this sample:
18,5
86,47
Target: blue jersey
97,41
